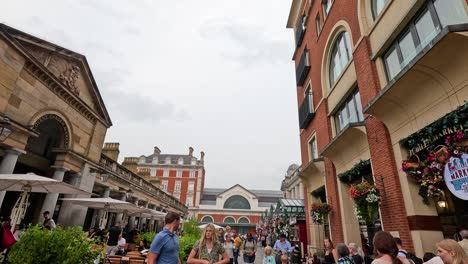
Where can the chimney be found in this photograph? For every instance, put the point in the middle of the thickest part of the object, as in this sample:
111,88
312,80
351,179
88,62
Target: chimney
190,151
156,151
111,150
130,163
202,156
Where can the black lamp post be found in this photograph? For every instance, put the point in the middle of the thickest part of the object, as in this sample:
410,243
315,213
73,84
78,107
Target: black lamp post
5,128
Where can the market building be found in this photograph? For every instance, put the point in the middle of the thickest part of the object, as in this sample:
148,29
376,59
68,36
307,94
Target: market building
53,124
381,85
236,206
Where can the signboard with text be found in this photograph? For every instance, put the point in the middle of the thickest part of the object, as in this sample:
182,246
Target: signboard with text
456,176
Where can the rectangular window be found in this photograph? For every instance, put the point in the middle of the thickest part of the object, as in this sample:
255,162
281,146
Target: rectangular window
450,12
165,173
191,186
177,186
326,4
153,172
317,24
420,31
192,174
426,28
408,49
313,148
179,174
349,112
189,200
164,186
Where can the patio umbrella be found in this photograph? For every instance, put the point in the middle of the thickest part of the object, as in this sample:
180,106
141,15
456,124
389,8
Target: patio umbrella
215,225
30,182
108,205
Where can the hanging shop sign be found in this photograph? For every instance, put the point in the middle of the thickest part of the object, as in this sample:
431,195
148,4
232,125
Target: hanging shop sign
456,176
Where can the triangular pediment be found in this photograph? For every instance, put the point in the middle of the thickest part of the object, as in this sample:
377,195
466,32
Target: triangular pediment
69,68
237,189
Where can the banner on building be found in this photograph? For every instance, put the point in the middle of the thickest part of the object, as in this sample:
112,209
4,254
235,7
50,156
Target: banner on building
456,176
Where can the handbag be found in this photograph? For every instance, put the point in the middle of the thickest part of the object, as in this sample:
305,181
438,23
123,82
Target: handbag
8,239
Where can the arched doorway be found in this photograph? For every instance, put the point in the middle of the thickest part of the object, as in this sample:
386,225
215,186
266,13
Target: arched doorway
53,133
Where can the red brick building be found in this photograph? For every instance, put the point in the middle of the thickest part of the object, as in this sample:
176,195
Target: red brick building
372,77
182,176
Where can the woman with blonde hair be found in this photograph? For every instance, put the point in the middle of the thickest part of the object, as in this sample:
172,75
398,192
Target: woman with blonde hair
268,256
451,252
208,250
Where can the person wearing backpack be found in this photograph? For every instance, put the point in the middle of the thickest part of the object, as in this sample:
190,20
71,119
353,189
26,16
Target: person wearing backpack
402,253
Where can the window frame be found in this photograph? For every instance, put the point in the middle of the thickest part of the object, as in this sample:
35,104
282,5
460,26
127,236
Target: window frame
324,9
375,15
192,174
410,27
179,174
336,48
313,149
344,106
164,185
177,186
318,24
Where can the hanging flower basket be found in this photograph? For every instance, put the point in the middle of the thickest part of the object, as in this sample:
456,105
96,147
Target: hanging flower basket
366,199
318,212
429,173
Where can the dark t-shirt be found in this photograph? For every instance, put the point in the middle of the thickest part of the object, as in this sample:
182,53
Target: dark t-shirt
114,233
358,259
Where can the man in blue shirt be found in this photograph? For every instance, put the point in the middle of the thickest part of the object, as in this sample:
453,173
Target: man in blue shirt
165,246
282,246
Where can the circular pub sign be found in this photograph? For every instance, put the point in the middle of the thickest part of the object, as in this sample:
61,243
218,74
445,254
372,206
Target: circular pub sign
456,176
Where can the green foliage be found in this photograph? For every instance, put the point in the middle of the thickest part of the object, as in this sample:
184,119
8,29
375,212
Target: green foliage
191,234
67,246
145,235
430,132
186,243
359,170
319,192
191,228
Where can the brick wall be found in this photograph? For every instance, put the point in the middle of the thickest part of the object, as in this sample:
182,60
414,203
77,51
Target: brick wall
393,213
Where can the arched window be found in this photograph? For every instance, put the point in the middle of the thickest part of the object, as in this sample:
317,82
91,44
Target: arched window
377,7
236,202
340,56
207,219
229,220
244,220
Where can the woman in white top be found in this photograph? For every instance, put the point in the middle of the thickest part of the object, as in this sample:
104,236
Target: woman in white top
228,247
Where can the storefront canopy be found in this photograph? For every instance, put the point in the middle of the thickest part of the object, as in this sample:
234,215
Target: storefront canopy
293,207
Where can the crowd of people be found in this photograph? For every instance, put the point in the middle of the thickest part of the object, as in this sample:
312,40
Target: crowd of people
389,250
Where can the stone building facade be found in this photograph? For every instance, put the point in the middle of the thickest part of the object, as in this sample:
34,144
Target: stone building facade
370,75
58,121
182,176
292,186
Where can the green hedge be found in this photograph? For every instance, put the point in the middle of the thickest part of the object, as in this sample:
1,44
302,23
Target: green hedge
65,246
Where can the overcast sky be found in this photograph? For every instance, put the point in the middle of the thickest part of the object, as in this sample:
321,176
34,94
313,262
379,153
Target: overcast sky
212,74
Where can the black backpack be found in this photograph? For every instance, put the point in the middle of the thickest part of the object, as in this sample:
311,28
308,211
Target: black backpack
412,257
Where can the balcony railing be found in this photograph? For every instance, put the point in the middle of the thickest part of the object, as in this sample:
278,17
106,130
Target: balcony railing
303,68
306,111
